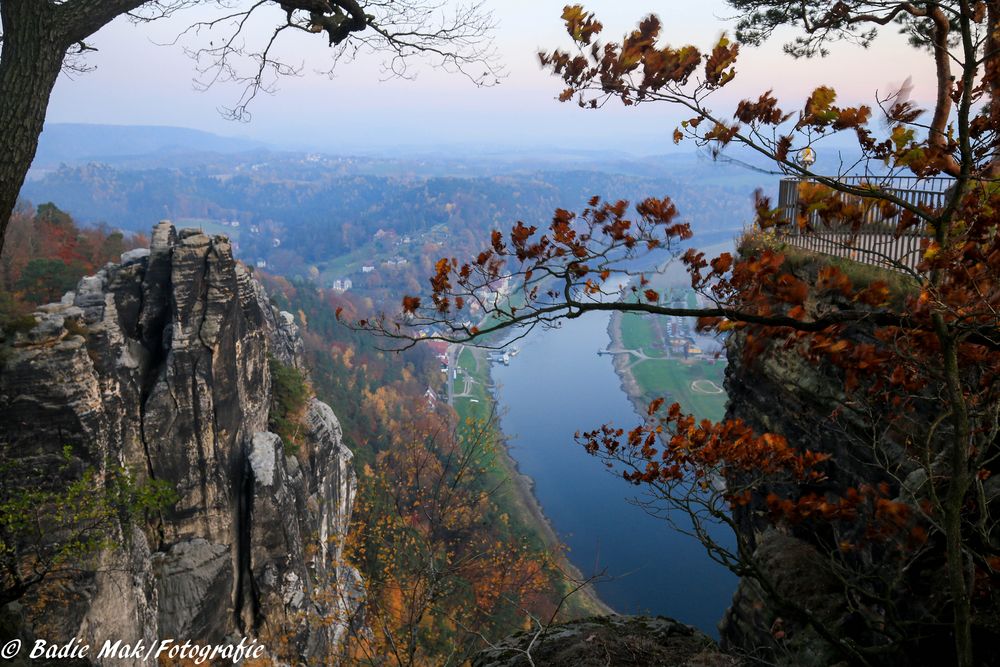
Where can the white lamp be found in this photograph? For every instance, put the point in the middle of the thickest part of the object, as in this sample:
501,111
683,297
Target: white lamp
806,157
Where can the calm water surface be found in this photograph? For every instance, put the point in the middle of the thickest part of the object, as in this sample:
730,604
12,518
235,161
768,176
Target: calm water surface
558,385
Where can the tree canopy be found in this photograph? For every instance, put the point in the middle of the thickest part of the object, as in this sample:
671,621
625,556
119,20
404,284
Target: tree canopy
955,34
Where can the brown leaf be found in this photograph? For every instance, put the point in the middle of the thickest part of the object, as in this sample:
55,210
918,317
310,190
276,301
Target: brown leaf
411,304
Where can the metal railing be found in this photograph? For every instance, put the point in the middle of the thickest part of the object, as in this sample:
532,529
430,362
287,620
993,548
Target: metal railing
875,240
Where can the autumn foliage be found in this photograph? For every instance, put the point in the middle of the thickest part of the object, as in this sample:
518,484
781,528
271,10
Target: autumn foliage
910,350
443,565
447,560
47,253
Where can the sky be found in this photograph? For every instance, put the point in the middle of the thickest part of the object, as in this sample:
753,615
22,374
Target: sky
142,79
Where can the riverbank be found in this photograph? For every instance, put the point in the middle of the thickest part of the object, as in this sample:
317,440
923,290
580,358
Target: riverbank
648,372
521,502
560,382
586,601
622,364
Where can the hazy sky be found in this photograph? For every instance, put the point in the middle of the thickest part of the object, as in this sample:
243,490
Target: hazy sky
138,81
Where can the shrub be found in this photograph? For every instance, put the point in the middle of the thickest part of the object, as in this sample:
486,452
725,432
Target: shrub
289,394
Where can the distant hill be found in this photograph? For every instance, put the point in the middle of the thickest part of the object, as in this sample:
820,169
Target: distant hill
79,142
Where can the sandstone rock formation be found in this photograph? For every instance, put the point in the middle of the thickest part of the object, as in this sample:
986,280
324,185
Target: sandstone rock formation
161,364
639,641
779,392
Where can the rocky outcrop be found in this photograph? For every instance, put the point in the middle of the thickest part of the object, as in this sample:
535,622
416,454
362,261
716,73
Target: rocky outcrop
753,628
638,641
160,364
779,392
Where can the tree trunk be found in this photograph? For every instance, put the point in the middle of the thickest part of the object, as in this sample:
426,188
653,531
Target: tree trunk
937,136
958,487
960,476
30,62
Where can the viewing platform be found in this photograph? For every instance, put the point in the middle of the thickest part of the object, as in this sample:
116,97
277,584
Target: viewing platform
876,240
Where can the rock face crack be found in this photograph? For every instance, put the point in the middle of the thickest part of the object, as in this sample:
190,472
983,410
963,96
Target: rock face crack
151,330
247,612
173,382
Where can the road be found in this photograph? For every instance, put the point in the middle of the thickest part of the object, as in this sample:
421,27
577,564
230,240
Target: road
453,352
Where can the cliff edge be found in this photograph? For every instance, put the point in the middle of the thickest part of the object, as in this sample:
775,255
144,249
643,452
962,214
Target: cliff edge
161,365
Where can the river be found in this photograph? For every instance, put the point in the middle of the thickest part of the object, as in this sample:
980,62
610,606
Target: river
558,385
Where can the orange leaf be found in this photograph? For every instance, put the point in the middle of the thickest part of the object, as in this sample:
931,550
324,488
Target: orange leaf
411,304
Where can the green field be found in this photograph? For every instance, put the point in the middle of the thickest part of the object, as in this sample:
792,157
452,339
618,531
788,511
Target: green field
673,380
349,263
639,333
468,362
472,363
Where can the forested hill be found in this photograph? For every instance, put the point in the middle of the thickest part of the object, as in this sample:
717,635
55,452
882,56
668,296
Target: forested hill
310,208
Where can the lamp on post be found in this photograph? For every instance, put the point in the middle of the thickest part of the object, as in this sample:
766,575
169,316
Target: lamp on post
806,157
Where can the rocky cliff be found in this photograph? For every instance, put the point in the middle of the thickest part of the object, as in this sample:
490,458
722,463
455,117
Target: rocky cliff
598,641
779,392
160,364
